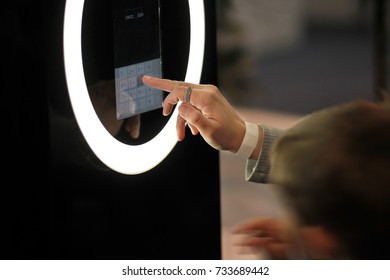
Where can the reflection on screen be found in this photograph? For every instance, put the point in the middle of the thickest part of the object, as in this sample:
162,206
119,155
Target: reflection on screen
137,52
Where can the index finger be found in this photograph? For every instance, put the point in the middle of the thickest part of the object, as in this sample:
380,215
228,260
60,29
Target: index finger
167,84
163,84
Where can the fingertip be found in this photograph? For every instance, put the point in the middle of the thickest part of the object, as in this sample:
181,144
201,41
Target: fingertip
180,136
134,134
146,77
165,113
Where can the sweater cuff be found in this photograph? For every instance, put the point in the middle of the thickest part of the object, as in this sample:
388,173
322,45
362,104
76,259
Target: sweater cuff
258,170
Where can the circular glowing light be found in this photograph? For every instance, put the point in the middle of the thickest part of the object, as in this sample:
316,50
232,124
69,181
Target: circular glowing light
123,158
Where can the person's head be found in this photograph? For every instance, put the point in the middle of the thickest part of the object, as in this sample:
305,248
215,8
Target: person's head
333,167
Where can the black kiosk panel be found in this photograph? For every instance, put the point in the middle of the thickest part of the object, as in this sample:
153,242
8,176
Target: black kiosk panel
75,207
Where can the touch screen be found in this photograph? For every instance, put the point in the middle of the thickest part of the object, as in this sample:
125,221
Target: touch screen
137,52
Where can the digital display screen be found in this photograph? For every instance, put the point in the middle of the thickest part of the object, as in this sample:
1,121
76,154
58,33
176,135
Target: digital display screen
137,52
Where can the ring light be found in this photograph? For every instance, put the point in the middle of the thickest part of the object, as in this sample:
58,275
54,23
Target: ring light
123,158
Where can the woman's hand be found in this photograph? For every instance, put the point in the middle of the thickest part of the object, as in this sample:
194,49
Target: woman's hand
207,113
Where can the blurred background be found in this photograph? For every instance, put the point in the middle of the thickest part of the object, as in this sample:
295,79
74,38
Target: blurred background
279,60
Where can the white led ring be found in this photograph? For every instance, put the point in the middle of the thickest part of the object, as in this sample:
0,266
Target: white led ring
123,158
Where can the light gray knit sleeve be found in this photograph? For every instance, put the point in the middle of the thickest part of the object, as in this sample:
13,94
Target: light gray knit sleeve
257,170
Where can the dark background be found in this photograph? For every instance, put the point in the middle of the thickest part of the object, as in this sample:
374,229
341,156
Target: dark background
59,201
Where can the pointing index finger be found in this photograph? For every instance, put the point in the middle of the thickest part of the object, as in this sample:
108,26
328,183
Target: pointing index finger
166,84
163,84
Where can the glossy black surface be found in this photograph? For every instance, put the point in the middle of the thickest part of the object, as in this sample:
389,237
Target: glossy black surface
99,50
61,201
